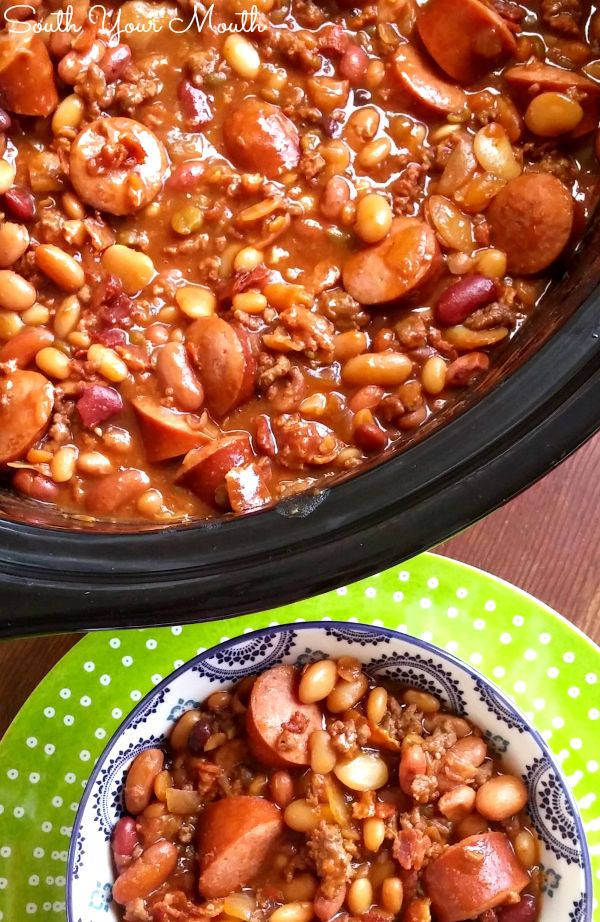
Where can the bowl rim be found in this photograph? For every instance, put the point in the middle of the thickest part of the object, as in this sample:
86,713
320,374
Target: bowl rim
330,624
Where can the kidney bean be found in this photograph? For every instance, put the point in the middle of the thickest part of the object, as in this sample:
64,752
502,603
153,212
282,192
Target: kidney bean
34,485
175,370
186,177
5,120
140,779
465,369
524,911
463,297
147,873
354,63
124,840
365,398
199,734
20,203
195,104
115,61
98,403
370,437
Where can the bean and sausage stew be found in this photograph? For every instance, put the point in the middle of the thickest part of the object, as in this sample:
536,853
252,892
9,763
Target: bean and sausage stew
245,247
312,794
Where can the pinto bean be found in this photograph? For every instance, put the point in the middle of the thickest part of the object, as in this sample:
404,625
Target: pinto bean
116,490
413,762
34,485
115,61
26,403
457,803
464,370
167,433
417,78
225,362
142,773
146,873
274,703
178,378
235,838
138,171
27,84
335,195
473,876
465,38
531,220
353,64
260,138
402,262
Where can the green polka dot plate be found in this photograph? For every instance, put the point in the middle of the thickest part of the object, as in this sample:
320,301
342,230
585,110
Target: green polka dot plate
548,668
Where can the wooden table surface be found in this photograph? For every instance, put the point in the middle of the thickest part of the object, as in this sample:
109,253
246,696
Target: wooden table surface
547,541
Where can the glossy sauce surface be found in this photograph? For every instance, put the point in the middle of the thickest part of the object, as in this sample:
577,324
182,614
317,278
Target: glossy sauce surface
247,262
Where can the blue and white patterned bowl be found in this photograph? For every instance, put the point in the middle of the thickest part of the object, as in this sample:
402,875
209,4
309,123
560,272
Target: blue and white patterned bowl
564,855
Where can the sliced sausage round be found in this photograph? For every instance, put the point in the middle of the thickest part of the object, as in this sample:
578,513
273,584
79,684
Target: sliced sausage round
407,257
117,165
203,470
27,84
225,363
260,138
466,38
235,837
548,77
167,433
278,724
26,404
23,348
531,219
418,79
473,876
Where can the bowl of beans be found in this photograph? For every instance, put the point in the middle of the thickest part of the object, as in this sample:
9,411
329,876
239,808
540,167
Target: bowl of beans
322,771
253,262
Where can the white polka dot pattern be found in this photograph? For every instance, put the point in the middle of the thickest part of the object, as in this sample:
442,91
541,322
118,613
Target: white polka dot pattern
547,668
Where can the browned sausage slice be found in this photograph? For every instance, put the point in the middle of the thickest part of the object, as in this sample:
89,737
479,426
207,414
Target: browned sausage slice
248,486
278,724
23,348
26,403
225,363
417,78
400,263
531,220
235,837
260,138
117,165
473,876
167,433
27,84
548,77
204,469
465,38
